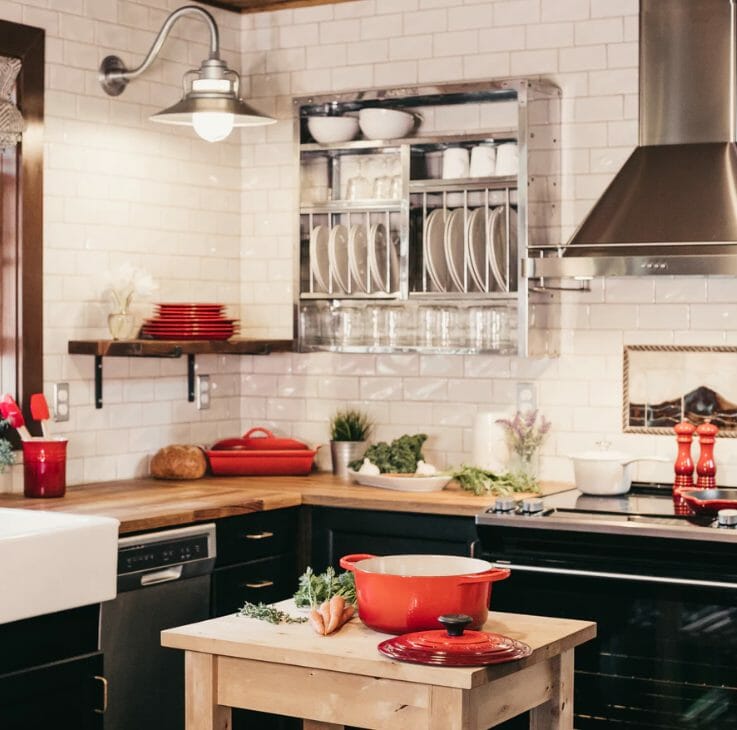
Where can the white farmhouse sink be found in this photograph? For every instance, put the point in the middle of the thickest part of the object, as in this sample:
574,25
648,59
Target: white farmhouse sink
51,561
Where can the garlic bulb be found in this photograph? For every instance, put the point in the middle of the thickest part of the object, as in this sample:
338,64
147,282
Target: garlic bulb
368,468
425,470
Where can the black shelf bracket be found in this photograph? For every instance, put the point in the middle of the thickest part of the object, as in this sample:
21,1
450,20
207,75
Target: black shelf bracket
175,352
190,377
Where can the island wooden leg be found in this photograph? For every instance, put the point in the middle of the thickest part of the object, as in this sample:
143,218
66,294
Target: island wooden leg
315,725
200,692
557,712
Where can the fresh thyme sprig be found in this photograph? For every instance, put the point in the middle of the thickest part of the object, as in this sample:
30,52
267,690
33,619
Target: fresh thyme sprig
264,612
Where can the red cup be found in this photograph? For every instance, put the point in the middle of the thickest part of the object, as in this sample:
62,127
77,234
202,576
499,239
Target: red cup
44,467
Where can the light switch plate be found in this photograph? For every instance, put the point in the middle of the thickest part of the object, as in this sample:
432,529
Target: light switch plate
61,402
202,392
526,397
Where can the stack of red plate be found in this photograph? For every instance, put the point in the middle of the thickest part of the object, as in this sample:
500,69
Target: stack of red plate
189,321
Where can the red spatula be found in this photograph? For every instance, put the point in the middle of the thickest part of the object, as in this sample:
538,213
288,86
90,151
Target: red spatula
10,411
40,411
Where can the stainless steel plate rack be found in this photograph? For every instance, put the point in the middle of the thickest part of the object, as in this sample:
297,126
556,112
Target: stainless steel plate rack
445,247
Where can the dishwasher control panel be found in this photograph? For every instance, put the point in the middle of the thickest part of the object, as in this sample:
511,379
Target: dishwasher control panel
148,557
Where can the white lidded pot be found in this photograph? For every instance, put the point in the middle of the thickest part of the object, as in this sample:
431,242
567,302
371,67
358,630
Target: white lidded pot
605,472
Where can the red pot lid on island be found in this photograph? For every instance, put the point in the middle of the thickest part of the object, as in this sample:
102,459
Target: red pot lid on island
454,647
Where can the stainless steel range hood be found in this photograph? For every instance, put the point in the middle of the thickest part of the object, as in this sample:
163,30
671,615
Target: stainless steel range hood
672,208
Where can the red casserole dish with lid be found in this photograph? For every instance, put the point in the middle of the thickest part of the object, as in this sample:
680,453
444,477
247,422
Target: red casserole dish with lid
398,594
266,455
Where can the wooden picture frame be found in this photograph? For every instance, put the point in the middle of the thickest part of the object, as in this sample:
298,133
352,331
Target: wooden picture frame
665,384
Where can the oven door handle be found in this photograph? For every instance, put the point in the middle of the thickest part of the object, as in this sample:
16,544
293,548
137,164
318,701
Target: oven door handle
691,582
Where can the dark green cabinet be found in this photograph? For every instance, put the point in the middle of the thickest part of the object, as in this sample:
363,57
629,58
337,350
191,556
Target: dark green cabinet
256,562
336,532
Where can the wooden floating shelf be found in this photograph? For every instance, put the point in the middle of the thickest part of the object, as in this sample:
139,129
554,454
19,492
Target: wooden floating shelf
171,349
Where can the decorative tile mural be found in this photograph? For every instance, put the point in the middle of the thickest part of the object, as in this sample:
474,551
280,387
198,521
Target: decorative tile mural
664,385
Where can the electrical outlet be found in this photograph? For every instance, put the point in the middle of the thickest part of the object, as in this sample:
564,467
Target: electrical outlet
61,402
202,392
526,397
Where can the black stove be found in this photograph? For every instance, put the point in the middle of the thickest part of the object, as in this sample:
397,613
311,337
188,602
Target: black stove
647,510
661,586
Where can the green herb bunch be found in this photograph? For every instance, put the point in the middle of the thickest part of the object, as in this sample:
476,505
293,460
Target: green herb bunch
350,425
7,457
264,612
481,481
398,457
315,588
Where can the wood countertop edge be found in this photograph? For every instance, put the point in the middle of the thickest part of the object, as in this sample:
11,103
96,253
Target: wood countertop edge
148,504
296,644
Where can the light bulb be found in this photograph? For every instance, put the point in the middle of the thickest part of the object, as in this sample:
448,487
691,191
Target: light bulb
212,126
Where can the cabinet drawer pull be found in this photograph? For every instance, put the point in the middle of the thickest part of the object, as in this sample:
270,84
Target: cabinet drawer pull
258,535
259,584
98,710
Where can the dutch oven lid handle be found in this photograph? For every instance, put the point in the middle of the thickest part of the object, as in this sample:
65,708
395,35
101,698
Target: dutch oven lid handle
347,562
259,429
455,623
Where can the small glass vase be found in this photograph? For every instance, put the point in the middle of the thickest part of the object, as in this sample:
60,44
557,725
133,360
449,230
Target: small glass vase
121,325
527,464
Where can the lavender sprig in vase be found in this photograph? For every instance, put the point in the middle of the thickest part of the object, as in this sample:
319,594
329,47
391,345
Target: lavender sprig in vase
524,437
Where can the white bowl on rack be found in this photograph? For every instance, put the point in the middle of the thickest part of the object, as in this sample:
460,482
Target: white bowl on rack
385,123
326,130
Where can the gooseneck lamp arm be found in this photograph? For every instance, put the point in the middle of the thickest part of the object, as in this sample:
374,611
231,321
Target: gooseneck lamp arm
114,76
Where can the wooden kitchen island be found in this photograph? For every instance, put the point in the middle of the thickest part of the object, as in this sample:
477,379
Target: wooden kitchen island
341,679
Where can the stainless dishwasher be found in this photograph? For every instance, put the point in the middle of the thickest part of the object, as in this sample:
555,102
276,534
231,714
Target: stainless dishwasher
163,581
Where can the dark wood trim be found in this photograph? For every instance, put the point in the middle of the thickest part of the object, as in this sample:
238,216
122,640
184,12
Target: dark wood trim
260,6
176,348
28,44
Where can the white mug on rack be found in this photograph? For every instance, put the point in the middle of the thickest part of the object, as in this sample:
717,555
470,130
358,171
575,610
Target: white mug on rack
483,161
455,163
507,159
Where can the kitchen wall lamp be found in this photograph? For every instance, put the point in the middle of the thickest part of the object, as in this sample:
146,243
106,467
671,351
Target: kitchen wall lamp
210,103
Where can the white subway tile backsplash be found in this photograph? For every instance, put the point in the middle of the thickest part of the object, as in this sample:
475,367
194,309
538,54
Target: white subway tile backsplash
217,218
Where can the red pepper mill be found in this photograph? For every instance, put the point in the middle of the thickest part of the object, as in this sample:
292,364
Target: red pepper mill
684,466
706,469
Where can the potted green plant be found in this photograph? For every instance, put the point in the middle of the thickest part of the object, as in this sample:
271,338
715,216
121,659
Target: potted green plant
349,433
7,457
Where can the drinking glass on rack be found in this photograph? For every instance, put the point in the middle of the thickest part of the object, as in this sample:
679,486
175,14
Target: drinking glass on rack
346,326
382,183
396,180
359,186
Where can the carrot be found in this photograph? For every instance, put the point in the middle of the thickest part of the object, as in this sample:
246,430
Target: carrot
317,622
335,608
348,612
324,610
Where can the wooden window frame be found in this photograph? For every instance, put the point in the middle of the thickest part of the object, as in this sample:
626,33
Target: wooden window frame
22,248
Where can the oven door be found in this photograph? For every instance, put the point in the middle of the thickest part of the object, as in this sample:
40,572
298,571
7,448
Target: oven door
665,655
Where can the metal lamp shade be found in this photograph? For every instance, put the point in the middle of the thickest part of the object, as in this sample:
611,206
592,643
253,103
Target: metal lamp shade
203,102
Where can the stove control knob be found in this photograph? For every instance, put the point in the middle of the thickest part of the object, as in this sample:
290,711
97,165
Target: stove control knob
504,504
532,506
727,518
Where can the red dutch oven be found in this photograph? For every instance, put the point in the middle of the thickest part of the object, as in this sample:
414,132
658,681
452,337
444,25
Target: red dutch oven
402,593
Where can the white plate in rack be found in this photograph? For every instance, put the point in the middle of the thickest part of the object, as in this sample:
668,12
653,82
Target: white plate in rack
477,248
319,258
436,265
358,257
338,252
401,482
497,236
378,243
454,245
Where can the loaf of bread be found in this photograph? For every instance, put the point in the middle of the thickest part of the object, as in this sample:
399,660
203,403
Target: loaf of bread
179,461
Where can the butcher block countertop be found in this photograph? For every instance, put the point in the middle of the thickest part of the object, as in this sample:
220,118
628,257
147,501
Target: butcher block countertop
149,504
